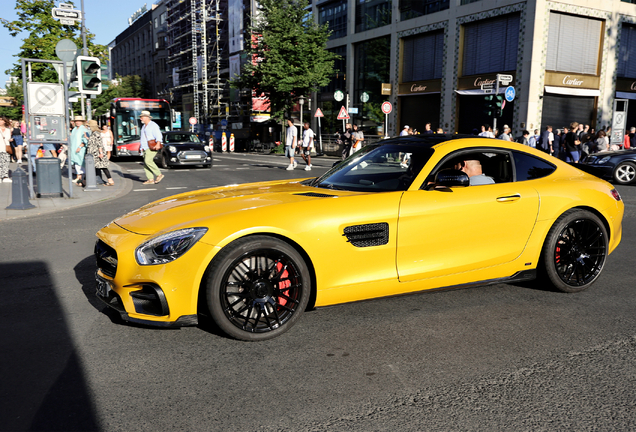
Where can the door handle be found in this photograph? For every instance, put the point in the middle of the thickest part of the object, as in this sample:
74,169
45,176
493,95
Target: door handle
509,198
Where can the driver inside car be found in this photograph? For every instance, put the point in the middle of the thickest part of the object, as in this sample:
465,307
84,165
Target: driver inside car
472,167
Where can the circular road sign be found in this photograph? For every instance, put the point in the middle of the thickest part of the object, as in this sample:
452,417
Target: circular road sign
364,97
66,50
510,93
338,95
387,107
193,120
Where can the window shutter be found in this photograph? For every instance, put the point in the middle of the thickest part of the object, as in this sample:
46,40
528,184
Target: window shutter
573,43
491,45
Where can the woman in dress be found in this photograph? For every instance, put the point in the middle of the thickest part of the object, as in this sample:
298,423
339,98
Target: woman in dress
17,143
107,140
96,148
5,140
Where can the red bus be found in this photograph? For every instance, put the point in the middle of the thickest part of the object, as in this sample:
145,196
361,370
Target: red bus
126,124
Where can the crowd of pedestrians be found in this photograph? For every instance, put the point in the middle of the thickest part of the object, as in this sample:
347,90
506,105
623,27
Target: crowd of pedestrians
98,142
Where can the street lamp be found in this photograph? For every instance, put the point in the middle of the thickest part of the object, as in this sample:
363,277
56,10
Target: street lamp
301,100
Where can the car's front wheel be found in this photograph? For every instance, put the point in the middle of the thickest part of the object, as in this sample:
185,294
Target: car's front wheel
575,251
164,161
257,288
625,173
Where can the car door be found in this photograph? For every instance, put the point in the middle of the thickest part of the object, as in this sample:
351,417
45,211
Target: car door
462,229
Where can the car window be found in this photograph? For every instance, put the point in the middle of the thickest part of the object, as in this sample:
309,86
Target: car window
377,168
528,167
495,163
177,138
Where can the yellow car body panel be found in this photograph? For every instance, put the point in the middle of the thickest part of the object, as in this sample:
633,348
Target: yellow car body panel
437,238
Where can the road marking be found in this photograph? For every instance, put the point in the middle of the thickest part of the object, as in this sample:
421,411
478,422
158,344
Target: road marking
143,190
242,168
177,187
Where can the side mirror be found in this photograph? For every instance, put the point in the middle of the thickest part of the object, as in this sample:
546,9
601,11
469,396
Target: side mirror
451,177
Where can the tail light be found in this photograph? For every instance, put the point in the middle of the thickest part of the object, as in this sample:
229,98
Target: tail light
616,195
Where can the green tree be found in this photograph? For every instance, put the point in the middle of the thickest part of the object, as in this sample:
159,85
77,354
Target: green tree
290,54
44,32
132,86
13,112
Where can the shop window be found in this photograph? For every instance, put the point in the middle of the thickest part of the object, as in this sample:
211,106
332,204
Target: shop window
372,14
491,45
372,59
335,14
627,52
573,44
423,57
415,8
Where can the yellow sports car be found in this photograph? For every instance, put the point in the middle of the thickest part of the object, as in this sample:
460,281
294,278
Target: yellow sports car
406,215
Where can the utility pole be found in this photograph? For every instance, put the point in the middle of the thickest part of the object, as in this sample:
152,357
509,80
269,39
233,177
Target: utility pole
84,52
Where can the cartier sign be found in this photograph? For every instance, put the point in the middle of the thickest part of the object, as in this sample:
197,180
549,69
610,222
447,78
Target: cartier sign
626,84
572,80
430,86
474,82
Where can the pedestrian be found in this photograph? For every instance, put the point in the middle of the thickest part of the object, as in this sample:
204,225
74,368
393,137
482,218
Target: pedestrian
506,134
96,148
405,130
291,140
486,131
107,140
308,145
347,137
546,140
532,141
427,129
5,157
523,138
601,143
79,140
151,141
556,144
17,143
440,131
571,142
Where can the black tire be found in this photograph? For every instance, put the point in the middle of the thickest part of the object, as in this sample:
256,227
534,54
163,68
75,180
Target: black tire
625,173
164,161
575,251
257,288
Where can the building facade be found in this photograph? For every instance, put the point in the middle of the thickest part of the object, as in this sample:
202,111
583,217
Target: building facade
569,61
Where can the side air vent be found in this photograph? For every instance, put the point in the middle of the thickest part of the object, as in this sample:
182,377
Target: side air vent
316,195
376,234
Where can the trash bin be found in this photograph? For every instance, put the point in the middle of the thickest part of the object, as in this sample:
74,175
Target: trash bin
49,176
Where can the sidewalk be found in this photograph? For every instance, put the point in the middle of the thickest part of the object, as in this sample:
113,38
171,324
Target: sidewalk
48,204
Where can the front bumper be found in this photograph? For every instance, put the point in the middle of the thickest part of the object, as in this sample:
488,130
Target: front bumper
192,157
158,295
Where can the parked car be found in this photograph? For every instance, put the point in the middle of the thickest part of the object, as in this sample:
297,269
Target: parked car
617,166
183,148
253,257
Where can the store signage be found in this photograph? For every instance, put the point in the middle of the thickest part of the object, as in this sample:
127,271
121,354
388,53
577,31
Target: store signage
625,84
386,89
431,86
572,80
137,14
474,82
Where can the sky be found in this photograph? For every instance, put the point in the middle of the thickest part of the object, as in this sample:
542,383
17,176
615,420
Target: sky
105,19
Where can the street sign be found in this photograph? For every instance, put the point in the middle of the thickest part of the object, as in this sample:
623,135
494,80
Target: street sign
364,97
488,88
66,50
193,120
46,98
387,107
66,16
510,93
343,115
504,78
353,110
319,113
386,89
338,95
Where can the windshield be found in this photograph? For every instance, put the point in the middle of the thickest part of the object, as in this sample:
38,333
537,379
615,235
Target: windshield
181,138
377,168
128,124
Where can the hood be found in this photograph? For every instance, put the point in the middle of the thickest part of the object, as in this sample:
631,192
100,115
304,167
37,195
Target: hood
196,208
187,145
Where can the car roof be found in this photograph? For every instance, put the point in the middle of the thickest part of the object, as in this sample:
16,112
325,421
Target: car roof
431,140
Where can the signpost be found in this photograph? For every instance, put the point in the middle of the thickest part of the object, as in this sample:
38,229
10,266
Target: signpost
192,121
343,115
319,114
386,109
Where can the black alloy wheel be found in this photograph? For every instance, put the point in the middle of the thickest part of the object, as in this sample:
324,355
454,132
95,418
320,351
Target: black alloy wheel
257,288
625,173
575,251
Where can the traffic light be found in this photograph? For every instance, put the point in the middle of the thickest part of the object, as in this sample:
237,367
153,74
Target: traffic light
89,75
488,105
498,105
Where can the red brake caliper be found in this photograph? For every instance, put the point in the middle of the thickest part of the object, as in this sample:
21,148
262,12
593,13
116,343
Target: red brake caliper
283,285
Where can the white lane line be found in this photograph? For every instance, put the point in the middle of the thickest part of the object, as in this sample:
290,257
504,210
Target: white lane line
242,168
177,187
143,190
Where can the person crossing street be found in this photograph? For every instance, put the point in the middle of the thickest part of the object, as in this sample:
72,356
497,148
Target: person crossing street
151,141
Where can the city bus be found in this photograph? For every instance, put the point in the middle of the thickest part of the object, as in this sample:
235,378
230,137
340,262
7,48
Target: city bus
126,124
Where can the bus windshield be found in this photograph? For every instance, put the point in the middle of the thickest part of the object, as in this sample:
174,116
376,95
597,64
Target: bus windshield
127,123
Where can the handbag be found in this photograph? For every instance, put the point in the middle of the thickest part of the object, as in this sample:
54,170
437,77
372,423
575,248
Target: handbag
8,147
153,144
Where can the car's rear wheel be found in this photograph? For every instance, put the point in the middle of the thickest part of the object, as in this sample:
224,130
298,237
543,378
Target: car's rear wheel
625,173
257,288
575,251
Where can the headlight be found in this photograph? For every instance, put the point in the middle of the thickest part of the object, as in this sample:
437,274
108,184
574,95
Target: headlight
172,149
207,149
603,160
168,247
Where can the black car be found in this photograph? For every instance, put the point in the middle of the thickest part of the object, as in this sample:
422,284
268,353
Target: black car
617,166
183,148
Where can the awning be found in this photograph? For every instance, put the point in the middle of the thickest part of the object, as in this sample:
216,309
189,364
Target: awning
625,95
569,91
419,94
479,92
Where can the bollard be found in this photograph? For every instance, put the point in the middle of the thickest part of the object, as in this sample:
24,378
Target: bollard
211,144
20,191
224,143
231,142
89,171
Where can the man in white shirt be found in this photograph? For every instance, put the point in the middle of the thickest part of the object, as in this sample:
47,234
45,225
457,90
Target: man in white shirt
291,140
405,131
532,141
308,145
486,132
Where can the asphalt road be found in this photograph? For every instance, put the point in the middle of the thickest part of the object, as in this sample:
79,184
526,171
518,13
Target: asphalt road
503,357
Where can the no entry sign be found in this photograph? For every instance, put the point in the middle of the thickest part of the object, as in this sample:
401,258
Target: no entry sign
387,107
